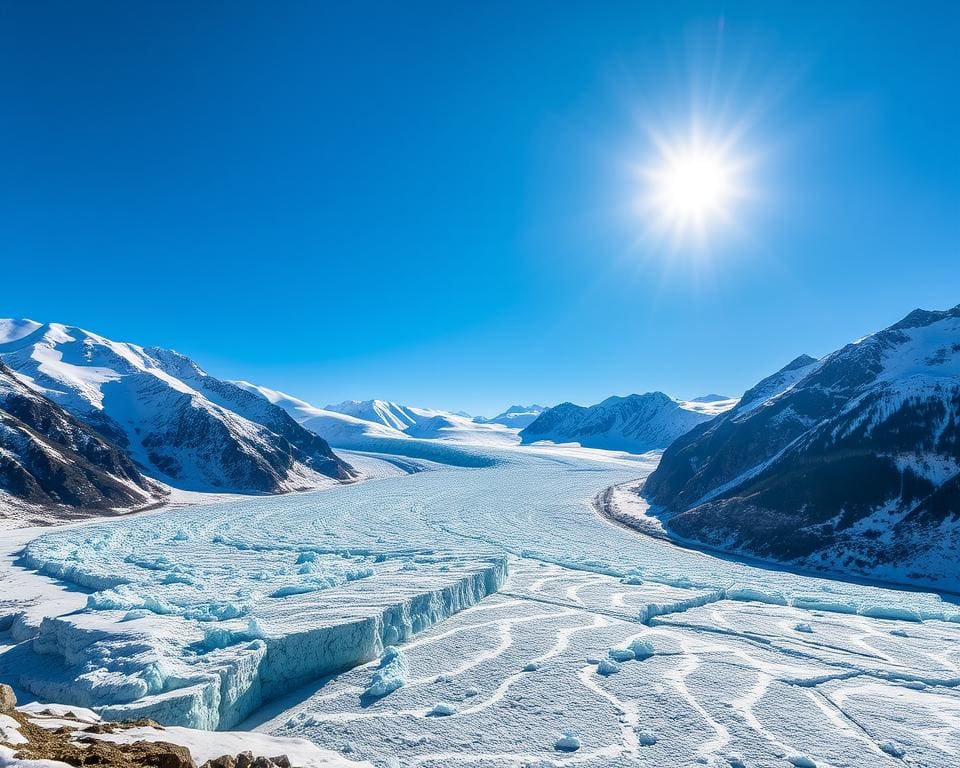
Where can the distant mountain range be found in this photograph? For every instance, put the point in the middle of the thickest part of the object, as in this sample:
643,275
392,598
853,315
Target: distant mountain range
362,424
849,463
174,422
517,416
636,423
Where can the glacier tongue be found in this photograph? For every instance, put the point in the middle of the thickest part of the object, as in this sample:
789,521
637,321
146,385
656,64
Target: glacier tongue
206,665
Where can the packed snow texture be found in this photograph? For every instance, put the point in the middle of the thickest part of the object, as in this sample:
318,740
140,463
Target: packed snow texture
504,591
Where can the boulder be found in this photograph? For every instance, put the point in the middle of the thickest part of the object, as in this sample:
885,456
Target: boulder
224,761
8,700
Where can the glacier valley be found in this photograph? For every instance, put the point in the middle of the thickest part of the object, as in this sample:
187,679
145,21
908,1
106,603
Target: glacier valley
472,605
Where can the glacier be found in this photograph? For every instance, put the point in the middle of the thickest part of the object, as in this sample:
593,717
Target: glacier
486,585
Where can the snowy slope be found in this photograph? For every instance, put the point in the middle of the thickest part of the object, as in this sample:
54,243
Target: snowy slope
297,408
50,459
181,425
392,415
636,423
850,463
516,416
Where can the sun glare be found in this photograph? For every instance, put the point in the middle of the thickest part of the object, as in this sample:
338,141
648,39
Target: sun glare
692,188
690,191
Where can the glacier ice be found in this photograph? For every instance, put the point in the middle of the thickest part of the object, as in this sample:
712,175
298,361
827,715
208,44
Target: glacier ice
569,742
646,738
442,709
200,616
391,673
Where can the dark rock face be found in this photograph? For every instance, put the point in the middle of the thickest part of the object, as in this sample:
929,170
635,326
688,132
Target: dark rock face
47,457
849,463
637,423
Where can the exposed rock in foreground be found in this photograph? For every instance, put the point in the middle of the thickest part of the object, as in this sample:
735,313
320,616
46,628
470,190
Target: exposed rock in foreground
849,464
55,736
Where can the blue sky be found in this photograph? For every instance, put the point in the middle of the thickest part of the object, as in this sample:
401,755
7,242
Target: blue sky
435,202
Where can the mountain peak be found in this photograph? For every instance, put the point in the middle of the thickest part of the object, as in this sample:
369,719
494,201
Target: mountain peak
802,361
635,423
711,398
921,317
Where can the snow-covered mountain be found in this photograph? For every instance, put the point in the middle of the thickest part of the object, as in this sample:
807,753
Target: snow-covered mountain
338,429
850,463
340,425
50,459
517,416
636,423
178,423
297,408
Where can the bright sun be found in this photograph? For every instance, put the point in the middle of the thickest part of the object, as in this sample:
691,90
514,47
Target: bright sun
694,186
690,190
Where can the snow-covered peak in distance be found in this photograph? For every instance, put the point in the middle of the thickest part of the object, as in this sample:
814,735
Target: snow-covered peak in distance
414,421
710,405
518,416
635,423
339,429
180,424
297,408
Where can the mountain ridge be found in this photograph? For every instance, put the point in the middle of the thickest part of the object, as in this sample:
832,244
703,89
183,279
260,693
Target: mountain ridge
845,463
181,425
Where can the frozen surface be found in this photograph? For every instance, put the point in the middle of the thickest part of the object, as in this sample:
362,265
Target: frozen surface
505,592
